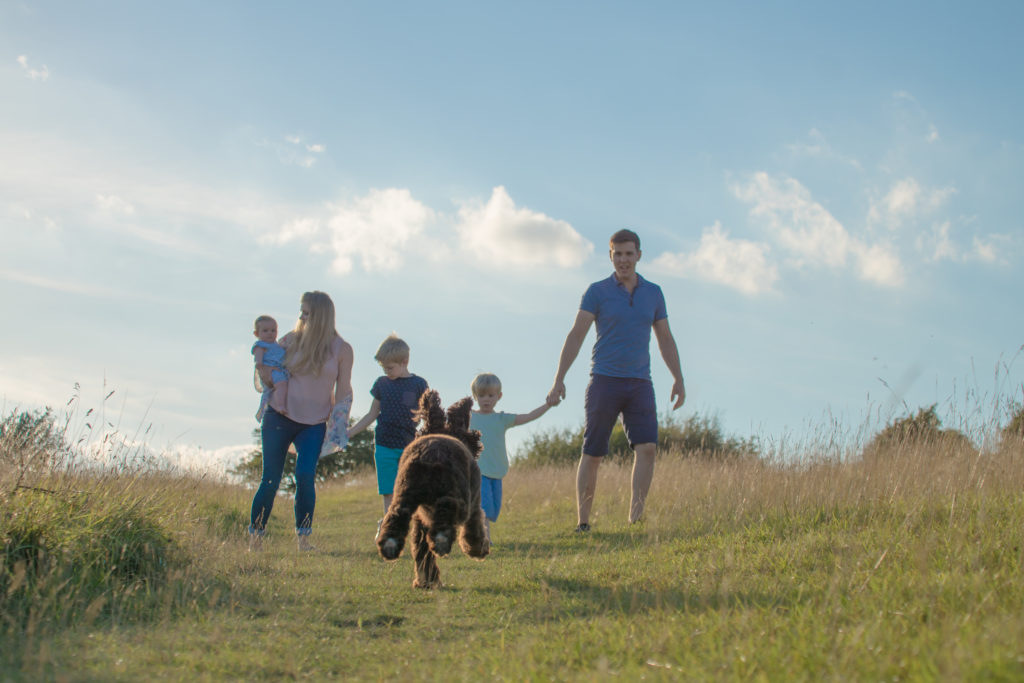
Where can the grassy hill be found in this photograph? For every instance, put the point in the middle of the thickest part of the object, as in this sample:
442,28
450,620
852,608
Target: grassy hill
908,566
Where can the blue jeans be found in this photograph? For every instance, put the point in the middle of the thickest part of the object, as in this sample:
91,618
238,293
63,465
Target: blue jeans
278,432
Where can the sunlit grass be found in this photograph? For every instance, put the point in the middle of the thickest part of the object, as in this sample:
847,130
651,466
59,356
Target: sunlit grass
902,566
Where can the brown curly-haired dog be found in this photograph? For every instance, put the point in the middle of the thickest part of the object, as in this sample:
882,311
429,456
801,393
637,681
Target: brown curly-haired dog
437,490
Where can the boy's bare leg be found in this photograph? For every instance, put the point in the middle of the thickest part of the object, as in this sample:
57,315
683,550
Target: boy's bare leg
643,474
586,484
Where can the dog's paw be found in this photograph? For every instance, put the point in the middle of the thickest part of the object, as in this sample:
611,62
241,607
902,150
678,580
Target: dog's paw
481,551
427,585
442,544
390,549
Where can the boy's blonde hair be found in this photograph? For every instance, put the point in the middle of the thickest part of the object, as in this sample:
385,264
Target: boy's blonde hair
392,350
485,381
262,319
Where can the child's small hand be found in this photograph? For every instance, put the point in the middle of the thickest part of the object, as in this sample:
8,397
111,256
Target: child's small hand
553,400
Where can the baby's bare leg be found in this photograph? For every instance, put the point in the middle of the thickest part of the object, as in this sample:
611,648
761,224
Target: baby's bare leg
279,397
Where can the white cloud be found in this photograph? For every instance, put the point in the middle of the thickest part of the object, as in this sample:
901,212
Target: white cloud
316,149
879,263
907,200
809,232
740,264
933,133
502,234
375,230
35,74
801,225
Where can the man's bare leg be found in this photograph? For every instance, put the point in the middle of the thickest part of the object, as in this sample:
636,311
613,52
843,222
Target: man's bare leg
586,483
643,474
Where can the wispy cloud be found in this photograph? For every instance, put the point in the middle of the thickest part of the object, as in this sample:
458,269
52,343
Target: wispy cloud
816,146
502,234
811,234
114,205
65,286
905,201
42,74
740,264
938,245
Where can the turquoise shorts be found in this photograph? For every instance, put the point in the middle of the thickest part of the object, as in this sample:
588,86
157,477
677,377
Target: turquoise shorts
386,461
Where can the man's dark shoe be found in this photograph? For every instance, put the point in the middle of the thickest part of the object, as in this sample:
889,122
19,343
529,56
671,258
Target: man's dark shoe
582,528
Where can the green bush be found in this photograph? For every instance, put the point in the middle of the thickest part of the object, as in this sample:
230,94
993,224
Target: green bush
358,454
30,439
922,430
694,436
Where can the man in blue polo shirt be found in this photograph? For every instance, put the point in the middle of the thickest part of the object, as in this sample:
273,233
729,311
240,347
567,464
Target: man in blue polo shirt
625,307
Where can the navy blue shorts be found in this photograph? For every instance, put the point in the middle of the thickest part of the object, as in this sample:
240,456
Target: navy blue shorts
607,398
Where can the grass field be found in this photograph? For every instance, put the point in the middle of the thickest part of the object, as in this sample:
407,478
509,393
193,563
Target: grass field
904,567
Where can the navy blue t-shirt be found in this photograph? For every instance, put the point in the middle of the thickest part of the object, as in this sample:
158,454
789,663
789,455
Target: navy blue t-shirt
399,398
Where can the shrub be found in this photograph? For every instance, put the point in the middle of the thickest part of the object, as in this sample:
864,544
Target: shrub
1012,435
695,436
915,432
30,440
359,453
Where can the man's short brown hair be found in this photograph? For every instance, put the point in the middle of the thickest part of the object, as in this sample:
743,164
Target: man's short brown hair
625,235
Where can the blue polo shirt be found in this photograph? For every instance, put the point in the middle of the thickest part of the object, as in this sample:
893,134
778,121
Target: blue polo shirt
623,323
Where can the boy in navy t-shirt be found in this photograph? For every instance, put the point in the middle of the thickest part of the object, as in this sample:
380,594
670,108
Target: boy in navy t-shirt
396,396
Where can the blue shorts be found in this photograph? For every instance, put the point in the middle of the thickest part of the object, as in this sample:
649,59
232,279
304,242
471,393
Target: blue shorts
385,460
490,497
607,398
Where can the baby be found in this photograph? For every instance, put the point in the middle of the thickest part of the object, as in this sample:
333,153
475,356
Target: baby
267,352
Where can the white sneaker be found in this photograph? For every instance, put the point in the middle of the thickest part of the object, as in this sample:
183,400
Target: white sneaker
304,544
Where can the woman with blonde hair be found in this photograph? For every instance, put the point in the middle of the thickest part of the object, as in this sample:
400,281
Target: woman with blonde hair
319,390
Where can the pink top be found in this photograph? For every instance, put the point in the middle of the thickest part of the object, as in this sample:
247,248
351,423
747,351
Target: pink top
310,397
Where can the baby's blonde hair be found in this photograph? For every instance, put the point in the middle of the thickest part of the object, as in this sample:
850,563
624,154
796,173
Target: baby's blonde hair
262,319
392,350
485,381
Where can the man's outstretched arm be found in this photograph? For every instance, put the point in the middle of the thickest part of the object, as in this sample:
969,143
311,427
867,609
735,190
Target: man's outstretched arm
570,349
669,352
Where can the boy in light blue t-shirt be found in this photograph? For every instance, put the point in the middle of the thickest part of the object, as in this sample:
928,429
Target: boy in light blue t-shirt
492,426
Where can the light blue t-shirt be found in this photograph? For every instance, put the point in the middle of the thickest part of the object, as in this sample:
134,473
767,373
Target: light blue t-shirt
623,320
494,458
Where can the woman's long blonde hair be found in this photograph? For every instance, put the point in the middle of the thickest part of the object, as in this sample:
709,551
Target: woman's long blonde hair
312,337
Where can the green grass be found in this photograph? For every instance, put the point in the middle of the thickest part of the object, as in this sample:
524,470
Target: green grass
909,568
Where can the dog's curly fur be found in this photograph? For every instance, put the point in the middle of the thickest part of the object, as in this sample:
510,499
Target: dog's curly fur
437,491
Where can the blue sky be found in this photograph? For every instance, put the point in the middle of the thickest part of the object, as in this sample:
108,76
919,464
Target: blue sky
828,195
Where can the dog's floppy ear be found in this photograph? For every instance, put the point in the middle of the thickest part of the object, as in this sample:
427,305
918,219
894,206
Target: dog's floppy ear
458,425
430,413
